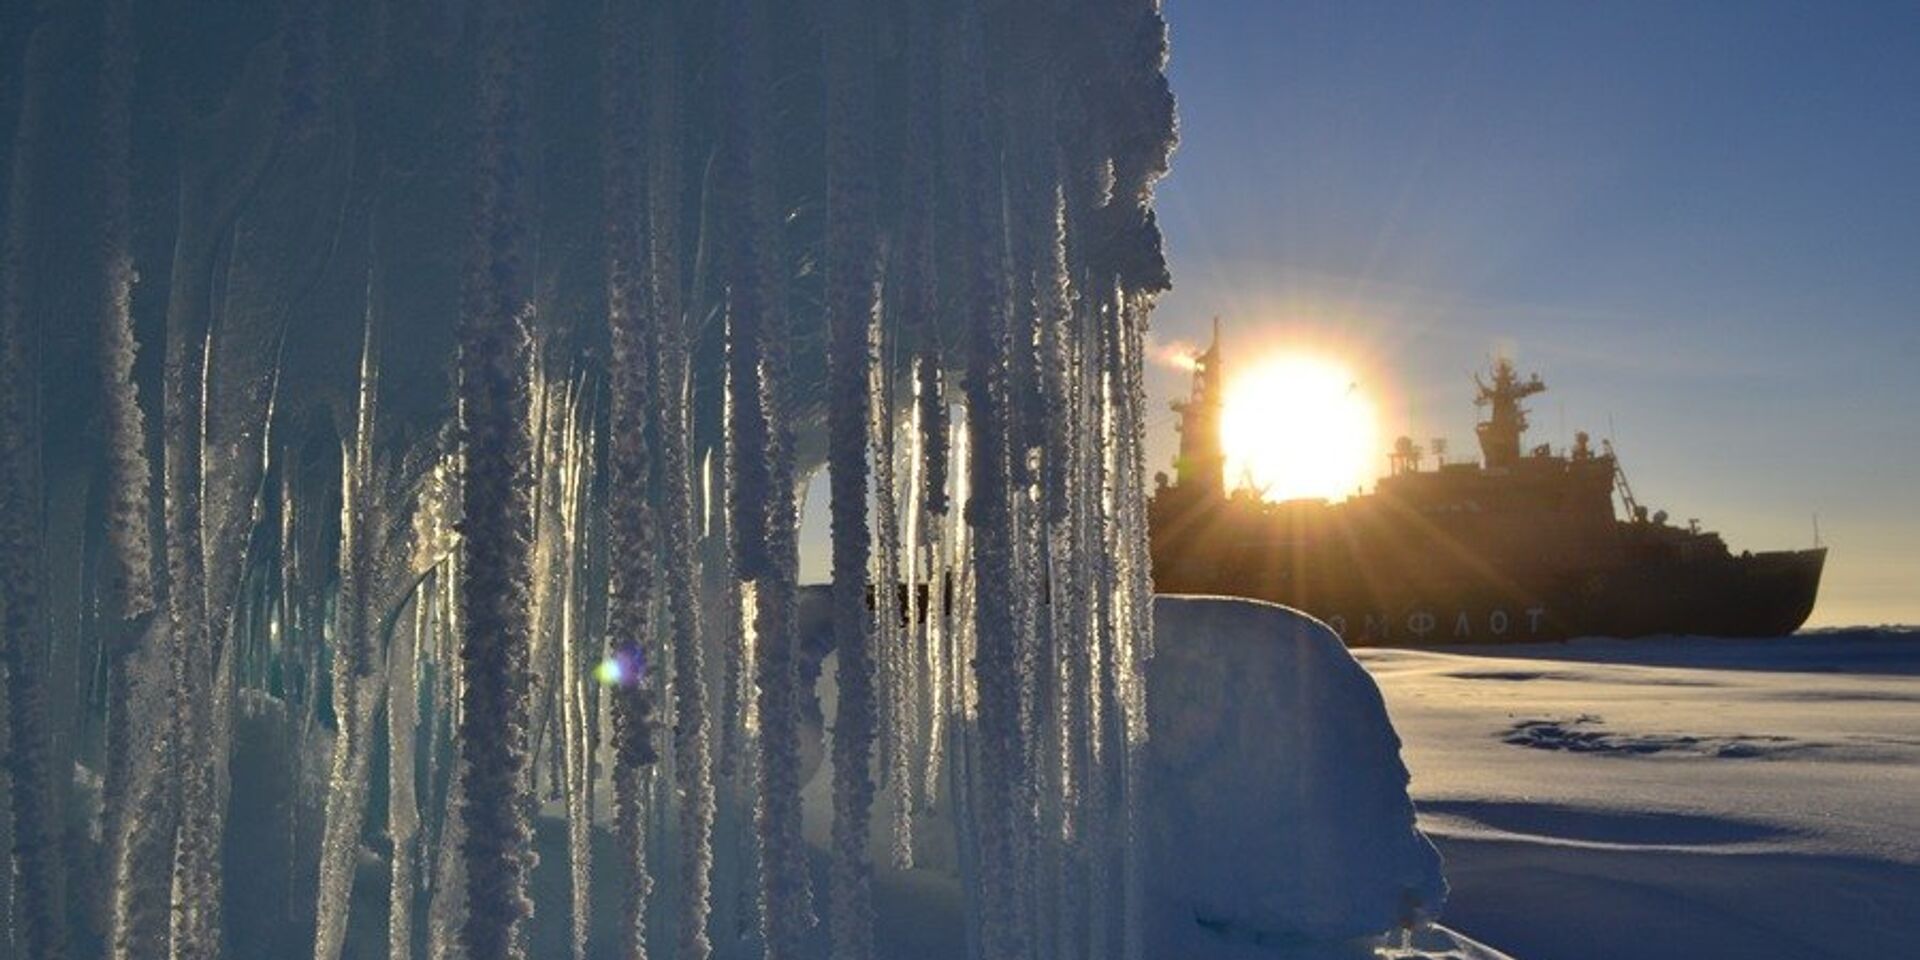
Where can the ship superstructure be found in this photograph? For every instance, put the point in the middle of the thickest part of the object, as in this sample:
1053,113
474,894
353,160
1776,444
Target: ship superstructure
1523,545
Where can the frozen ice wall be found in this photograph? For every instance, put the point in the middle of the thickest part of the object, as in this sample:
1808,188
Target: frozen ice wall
458,364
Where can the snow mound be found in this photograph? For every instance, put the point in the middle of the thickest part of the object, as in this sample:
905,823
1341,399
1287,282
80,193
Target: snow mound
1278,815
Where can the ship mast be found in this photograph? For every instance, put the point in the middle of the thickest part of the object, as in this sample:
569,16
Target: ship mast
1506,419
1202,464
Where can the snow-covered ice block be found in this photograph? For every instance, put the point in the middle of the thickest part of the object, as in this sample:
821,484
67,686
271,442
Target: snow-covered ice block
1278,812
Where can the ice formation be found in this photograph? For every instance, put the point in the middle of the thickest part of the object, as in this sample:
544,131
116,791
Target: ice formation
484,349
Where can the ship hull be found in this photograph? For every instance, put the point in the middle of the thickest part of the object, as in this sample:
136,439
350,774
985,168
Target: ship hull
1753,595
1458,587
1764,595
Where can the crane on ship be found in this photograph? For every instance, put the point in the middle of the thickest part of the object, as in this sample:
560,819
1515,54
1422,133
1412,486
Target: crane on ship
1634,510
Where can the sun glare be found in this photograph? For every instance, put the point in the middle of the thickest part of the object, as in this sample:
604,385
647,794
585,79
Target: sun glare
1298,426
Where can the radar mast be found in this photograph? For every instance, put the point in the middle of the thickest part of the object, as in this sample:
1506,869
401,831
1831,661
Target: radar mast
1506,418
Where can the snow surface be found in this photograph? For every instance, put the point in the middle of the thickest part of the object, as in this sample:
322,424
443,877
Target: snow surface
1672,797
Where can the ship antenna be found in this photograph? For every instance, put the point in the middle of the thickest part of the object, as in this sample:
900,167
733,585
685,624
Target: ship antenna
1816,529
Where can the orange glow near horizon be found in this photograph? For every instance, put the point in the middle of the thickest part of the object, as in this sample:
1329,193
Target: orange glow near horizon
1299,425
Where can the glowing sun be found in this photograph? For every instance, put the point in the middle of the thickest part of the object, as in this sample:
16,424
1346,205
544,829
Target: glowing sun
1297,426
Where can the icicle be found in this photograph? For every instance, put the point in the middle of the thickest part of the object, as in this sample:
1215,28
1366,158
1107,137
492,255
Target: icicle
138,904
552,407
762,487
346,809
749,228
576,467
403,808
130,587
930,494
1002,781
1064,508
735,916
194,917
36,864
1131,269
920,669
901,678
1095,658
957,693
630,521
850,312
1026,424
912,665
497,519
631,782
785,895
692,751
356,696
1139,586
995,659
785,892
128,592
734,697
447,912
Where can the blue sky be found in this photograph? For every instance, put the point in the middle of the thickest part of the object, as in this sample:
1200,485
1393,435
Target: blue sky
1699,222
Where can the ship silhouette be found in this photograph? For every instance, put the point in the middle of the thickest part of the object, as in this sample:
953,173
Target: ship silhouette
1524,545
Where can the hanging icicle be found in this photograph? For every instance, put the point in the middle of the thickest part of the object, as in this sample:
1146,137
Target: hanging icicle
761,467
497,508
403,805
899,727
631,526
813,215
692,753
577,465
936,614
130,587
850,312
356,694
36,860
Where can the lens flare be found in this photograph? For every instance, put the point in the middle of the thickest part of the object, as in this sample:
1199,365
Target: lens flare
625,667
